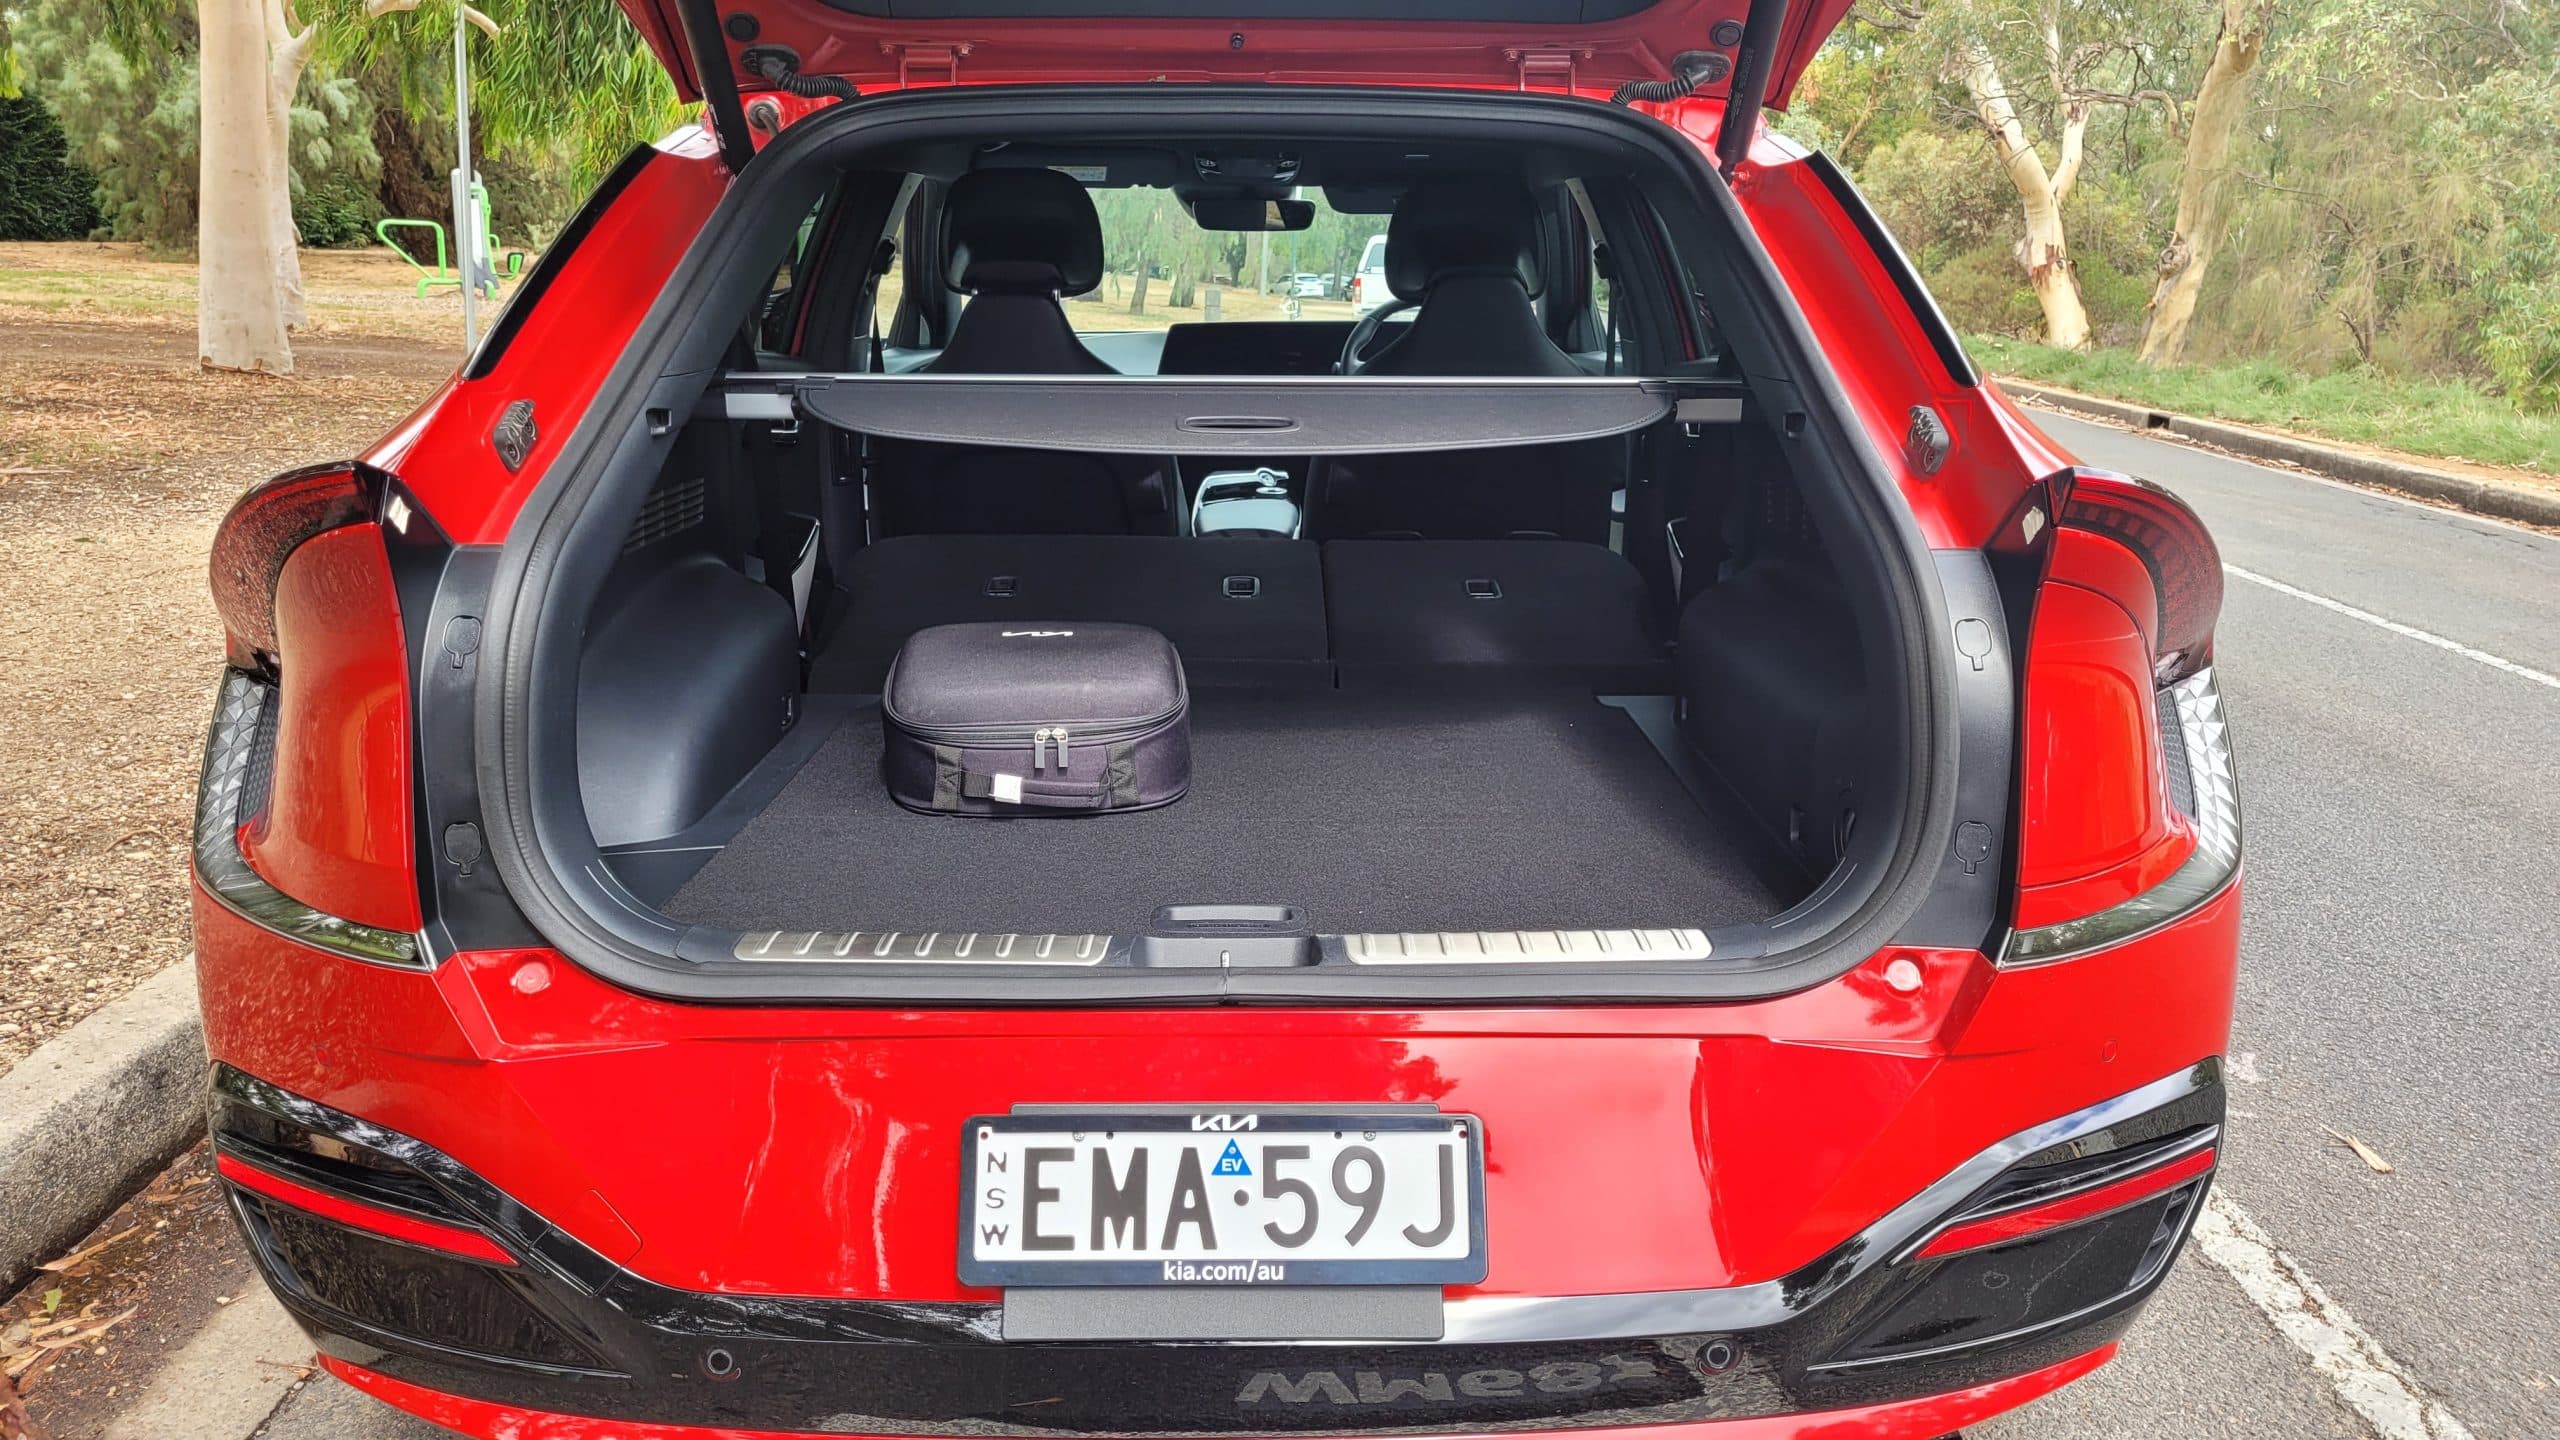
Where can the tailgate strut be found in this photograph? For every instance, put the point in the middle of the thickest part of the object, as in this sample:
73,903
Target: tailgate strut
712,70
1750,82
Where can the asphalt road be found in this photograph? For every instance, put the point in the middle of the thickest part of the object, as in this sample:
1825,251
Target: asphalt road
2403,809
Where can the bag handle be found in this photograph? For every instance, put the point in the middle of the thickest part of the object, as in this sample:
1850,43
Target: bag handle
1047,794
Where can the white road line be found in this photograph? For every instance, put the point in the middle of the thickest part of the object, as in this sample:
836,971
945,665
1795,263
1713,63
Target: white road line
2372,1384
2426,637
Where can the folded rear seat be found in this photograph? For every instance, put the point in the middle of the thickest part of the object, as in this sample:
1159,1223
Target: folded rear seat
1241,612
1468,613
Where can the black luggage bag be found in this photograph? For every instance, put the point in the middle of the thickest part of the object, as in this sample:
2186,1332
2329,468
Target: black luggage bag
1029,718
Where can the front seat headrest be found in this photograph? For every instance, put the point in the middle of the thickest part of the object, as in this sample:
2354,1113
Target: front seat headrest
1462,227
1020,232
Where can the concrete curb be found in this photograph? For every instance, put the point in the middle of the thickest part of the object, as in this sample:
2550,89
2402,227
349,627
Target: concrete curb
93,1112
226,1381
2481,496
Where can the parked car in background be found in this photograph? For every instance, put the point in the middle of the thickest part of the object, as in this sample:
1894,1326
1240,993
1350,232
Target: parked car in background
1710,904
1307,286
1368,288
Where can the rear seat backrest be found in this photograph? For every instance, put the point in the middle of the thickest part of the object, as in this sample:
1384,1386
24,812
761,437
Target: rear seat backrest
1454,613
1242,612
1376,614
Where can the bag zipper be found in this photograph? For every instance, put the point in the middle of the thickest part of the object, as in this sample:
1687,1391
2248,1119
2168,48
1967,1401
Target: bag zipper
996,736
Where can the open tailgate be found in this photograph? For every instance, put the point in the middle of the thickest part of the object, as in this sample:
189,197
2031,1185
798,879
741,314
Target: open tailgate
1582,46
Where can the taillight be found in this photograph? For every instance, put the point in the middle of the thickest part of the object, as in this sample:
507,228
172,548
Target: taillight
2171,544
265,526
1353,294
2129,815
303,810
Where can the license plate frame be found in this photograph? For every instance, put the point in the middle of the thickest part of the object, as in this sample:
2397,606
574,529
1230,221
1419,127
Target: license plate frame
1223,1123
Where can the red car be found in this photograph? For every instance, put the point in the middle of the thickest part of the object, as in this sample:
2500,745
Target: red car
1708,893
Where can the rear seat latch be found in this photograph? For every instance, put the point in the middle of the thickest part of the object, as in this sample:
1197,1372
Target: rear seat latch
1483,590
1003,586
1243,587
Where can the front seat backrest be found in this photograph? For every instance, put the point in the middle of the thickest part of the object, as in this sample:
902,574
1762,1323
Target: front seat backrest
1014,241
1467,251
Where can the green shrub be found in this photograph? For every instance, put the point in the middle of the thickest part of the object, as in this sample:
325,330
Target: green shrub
44,193
2114,299
1985,292
2523,346
337,215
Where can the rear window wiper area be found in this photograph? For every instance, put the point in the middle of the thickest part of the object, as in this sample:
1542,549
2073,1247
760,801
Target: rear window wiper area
1225,415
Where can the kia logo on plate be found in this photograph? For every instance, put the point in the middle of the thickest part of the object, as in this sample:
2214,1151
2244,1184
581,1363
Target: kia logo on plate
1035,634
1226,1122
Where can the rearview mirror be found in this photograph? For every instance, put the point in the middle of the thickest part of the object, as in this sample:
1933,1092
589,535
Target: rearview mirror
1249,212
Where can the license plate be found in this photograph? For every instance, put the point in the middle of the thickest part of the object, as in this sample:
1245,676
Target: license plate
1223,1198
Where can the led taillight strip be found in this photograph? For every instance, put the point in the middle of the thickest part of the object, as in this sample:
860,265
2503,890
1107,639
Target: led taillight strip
2068,1209
226,874
2213,794
356,1214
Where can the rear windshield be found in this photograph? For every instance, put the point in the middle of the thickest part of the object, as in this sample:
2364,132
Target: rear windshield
1160,268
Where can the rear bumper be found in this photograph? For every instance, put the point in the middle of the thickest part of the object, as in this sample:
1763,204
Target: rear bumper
739,1219
452,1298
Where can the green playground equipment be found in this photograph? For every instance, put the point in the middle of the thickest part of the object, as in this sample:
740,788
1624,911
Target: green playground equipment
494,265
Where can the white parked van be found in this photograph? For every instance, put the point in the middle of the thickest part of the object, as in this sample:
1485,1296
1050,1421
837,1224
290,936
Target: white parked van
1369,284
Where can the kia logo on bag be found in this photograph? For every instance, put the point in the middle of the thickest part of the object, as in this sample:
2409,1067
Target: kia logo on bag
1034,634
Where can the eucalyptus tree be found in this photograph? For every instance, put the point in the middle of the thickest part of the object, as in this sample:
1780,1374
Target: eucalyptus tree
544,70
2205,181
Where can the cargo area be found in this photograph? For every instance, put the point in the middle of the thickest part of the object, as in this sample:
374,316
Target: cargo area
1388,735
1366,812
1508,605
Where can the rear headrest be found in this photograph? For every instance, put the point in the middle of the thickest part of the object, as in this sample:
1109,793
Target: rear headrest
1462,227
1020,232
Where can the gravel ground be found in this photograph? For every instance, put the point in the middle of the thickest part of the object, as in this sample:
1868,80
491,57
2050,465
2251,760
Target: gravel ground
118,456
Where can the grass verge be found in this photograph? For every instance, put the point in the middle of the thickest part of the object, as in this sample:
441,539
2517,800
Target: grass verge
2418,417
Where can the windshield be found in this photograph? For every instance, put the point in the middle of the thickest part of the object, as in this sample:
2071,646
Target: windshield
1160,268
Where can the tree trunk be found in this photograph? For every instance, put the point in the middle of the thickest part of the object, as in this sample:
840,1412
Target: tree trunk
239,320
1138,282
287,53
2203,212
2041,251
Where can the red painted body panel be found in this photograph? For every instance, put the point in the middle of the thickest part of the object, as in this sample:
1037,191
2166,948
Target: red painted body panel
815,1152
561,355
336,833
1880,354
1908,1420
879,53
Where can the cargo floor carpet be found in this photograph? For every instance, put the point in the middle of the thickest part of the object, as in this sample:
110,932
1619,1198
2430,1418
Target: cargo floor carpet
1371,813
